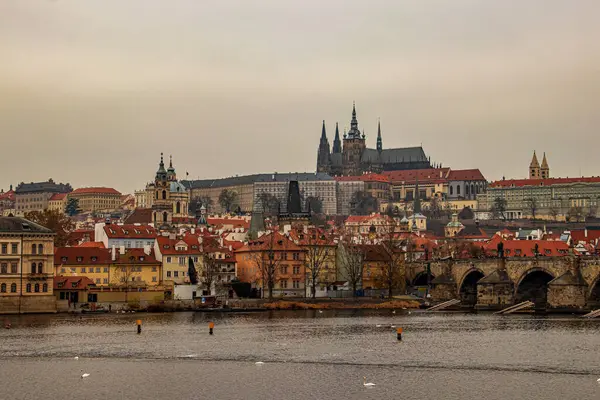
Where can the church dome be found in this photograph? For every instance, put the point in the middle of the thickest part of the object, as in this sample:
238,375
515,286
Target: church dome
176,187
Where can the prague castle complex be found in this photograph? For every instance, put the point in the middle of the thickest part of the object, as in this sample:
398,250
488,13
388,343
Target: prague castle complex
354,158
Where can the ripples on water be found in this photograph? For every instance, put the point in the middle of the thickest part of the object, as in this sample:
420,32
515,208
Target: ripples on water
305,354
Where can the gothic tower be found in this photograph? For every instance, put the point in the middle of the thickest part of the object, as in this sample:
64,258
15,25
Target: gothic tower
545,170
337,143
379,141
534,168
354,146
323,153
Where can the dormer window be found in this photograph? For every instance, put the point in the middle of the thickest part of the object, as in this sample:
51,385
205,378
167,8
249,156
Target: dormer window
547,251
79,259
141,258
166,246
63,259
94,258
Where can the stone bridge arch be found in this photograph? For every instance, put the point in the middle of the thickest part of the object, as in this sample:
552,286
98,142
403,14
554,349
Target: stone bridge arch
593,295
467,286
532,285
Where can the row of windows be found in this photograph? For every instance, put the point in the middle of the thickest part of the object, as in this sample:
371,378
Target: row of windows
284,270
283,284
13,268
14,248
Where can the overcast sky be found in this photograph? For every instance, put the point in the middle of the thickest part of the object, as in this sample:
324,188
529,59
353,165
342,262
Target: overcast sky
92,91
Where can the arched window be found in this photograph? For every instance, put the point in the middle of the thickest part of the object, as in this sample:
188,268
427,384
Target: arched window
28,288
451,190
13,288
178,208
40,249
164,194
472,189
45,288
467,189
3,288
157,195
33,268
40,268
458,189
165,216
36,288
33,248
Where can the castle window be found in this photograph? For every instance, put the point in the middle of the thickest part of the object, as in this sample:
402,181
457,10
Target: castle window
40,249
33,268
13,288
457,189
451,190
33,249
164,194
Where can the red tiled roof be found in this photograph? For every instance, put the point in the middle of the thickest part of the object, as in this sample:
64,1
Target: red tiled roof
543,182
364,178
130,231
136,256
169,246
526,248
70,256
357,219
280,243
465,175
431,175
99,245
58,196
80,234
72,282
374,252
10,195
140,216
234,222
96,190
585,235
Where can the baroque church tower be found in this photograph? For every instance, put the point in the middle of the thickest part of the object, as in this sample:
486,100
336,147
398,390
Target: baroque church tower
170,200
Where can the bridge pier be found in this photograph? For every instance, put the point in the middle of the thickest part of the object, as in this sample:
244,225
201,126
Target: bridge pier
568,291
495,291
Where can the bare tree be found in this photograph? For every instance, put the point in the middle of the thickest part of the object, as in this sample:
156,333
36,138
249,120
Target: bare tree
266,261
532,206
209,270
315,260
499,208
352,258
393,269
124,277
227,199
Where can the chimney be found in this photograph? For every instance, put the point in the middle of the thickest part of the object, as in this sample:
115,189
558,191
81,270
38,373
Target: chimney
114,253
122,250
230,248
193,231
585,232
147,250
172,236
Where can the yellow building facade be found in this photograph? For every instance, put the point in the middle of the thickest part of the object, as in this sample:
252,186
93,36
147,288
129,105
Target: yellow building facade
97,198
26,267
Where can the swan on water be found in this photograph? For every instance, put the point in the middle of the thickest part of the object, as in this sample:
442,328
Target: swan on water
320,311
259,363
368,384
394,312
85,375
76,358
378,326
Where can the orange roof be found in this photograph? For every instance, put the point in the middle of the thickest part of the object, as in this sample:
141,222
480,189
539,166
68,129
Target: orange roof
99,245
526,248
10,195
136,256
543,182
96,190
430,175
364,178
234,222
169,246
72,282
278,241
58,196
465,175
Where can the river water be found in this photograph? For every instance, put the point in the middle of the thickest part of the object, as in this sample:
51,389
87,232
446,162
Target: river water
306,355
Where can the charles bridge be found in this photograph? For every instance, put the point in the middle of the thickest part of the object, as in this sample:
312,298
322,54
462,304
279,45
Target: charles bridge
552,283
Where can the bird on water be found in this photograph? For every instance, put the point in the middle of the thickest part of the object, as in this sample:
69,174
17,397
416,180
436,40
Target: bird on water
367,384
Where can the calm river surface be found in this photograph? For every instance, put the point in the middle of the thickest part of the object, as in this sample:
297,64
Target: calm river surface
306,355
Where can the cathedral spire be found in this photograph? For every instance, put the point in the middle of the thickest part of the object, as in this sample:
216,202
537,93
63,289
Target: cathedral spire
379,141
337,144
323,152
323,134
